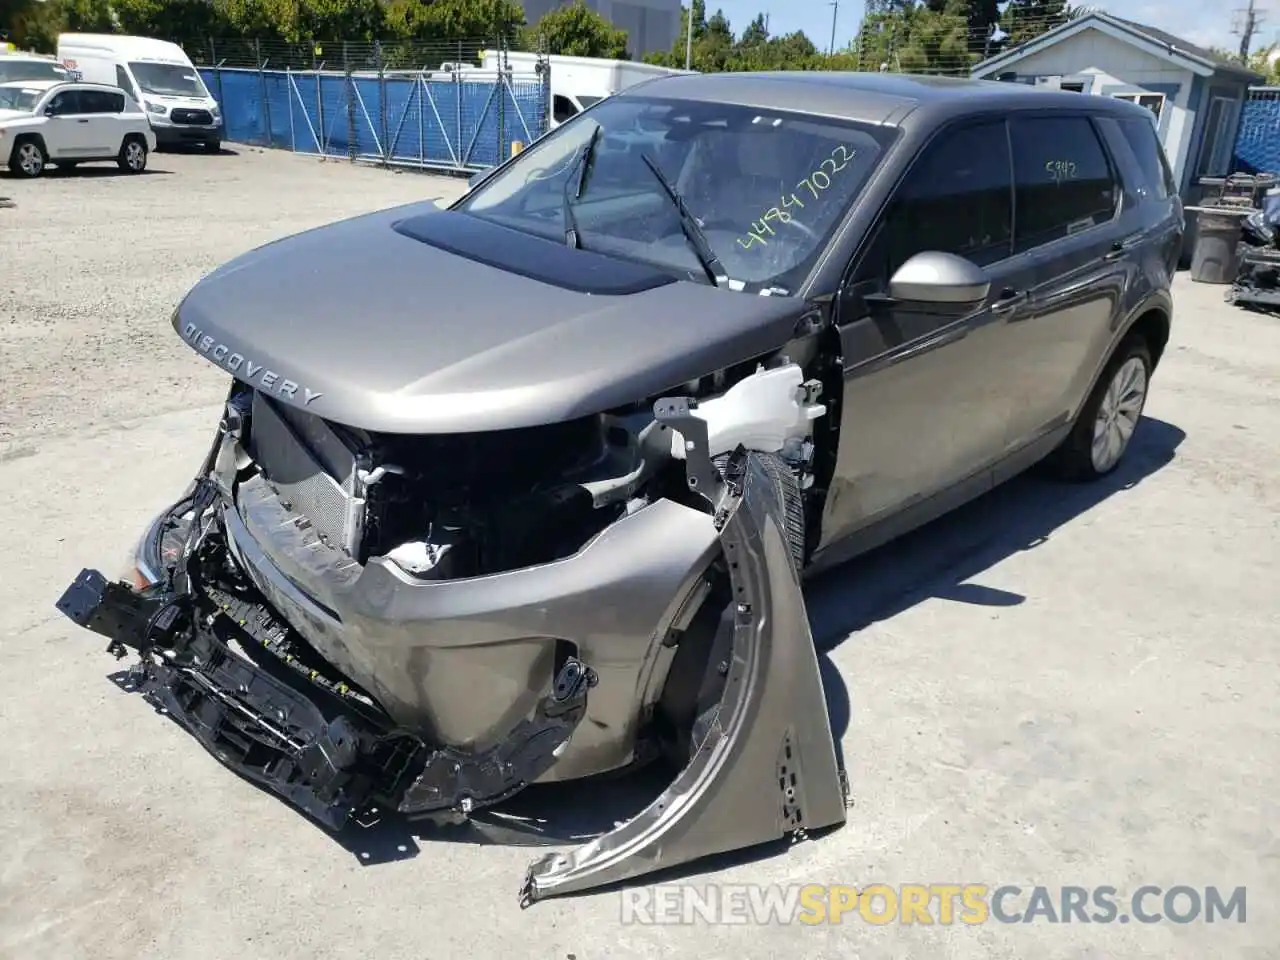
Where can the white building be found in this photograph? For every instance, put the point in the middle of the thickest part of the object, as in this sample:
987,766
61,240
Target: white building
1195,96
651,25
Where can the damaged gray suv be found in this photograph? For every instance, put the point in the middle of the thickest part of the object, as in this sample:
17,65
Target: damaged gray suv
524,490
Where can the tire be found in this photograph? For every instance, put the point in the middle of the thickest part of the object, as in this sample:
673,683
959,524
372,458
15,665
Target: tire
28,159
1107,422
213,146
133,154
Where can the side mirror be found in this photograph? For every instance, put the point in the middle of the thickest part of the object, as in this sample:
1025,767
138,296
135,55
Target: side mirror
940,279
50,112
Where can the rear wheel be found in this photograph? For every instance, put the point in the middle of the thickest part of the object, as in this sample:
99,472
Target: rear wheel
133,154
27,159
1109,418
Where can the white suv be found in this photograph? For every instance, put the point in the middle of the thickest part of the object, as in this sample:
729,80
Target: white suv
51,121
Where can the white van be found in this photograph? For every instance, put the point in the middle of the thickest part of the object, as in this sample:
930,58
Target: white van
157,74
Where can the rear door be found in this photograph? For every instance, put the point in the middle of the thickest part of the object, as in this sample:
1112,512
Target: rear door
103,108
1071,230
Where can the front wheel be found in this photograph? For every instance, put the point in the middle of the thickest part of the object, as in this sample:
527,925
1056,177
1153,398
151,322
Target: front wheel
133,155
1109,418
27,158
213,146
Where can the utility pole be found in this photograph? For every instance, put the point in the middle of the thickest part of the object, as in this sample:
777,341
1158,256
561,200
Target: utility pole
688,44
835,9
1250,18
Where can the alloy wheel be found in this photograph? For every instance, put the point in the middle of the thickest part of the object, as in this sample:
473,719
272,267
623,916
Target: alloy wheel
135,156
30,159
1118,414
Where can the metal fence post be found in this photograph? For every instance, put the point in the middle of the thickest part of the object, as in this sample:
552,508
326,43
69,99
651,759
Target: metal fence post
502,100
382,102
351,103
262,85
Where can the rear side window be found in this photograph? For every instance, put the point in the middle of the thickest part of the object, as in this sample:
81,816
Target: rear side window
1142,140
100,101
956,198
1063,181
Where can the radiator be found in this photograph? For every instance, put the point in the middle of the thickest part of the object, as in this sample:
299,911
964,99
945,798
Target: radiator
312,469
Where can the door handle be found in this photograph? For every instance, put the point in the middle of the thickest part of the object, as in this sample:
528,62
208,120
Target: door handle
1008,300
1121,248
82,121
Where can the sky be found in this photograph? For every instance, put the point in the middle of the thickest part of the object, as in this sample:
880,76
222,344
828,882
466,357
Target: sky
1183,18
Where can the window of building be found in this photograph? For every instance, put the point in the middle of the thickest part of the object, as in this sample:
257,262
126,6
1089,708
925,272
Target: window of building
1152,101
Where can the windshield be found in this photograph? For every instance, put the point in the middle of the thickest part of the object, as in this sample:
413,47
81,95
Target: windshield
766,188
15,98
168,79
11,70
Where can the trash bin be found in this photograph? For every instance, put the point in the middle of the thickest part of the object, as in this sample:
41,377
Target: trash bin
1215,257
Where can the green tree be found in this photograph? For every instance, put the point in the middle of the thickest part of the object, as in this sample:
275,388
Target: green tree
578,31
1024,20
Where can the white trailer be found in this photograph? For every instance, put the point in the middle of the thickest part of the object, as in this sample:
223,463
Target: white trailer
577,82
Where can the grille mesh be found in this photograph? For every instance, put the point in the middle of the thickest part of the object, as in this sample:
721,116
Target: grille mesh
300,478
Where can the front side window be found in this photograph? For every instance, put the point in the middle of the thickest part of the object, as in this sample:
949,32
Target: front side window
1062,178
765,188
68,101
168,79
956,198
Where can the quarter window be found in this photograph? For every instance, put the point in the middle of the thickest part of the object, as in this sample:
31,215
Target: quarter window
562,108
1150,156
956,198
1063,181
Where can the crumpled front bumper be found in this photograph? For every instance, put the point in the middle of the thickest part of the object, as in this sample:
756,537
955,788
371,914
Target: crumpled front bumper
221,653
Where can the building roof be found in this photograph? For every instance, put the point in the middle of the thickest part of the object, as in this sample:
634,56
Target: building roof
1151,40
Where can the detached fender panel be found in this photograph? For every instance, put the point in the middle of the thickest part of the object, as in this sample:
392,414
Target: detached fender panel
767,766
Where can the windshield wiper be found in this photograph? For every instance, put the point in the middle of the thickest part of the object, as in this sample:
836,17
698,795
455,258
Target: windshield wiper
689,224
586,156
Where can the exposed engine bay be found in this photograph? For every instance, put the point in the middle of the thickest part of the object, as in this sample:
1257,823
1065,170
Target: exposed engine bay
429,624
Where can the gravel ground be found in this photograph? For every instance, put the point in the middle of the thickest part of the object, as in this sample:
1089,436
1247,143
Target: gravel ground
1053,686
104,259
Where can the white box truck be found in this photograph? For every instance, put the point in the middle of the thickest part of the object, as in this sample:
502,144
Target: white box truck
156,73
577,82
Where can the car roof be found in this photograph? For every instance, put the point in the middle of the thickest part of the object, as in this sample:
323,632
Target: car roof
864,96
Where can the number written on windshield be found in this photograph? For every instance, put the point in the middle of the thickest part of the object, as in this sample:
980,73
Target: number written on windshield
810,187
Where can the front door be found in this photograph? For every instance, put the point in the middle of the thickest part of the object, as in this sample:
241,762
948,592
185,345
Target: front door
924,405
66,132
1071,233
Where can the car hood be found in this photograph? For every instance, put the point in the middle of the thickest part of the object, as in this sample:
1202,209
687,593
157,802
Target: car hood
7,115
418,320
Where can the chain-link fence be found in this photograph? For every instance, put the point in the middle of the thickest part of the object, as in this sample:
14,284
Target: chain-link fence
457,106
1257,146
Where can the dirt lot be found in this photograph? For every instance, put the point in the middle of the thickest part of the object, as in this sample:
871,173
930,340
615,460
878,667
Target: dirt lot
1056,686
